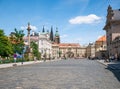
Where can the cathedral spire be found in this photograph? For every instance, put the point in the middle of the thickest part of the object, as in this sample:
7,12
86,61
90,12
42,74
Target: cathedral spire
51,34
43,29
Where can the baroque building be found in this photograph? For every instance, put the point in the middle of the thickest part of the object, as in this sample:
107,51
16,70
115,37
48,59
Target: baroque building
45,45
43,41
112,28
66,50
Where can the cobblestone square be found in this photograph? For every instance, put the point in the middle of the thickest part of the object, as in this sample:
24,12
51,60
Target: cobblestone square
63,74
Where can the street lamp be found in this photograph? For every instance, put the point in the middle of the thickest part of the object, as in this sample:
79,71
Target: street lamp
45,54
49,54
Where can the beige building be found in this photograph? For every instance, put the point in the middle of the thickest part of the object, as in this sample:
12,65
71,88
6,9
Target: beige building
97,49
100,47
116,47
112,28
90,50
68,50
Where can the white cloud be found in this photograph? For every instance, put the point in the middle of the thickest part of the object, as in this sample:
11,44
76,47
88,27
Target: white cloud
32,27
92,18
63,36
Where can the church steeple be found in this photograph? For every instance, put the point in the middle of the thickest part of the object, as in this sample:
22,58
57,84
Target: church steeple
57,37
51,34
109,8
109,14
56,34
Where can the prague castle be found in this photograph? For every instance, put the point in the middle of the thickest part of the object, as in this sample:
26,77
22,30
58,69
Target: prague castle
50,46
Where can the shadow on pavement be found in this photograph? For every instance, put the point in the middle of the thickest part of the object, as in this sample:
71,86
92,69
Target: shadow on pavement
115,69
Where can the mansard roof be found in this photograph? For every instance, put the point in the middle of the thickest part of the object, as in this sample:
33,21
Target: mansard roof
69,45
66,45
116,14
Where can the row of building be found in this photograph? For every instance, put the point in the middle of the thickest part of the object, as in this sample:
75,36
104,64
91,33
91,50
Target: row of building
108,45
49,46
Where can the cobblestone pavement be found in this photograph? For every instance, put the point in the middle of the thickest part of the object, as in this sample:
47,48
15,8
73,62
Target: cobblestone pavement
63,74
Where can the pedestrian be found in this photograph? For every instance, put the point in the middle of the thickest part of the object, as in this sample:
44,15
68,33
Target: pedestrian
15,57
112,58
0,59
35,59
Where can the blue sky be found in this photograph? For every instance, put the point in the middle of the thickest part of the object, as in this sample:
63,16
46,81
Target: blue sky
78,21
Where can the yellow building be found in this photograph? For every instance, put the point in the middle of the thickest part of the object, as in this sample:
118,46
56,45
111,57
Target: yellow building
68,50
100,47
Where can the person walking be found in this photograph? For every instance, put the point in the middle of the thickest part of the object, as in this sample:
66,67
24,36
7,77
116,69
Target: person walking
15,57
0,59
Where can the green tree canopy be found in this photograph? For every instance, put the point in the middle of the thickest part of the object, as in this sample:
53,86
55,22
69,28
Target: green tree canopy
5,45
17,41
1,33
35,50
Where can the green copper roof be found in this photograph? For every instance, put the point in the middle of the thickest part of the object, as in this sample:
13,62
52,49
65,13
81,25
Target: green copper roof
56,34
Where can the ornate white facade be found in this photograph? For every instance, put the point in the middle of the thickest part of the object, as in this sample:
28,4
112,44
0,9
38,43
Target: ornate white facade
45,45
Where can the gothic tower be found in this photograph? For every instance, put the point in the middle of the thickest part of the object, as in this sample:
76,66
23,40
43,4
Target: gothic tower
51,34
43,30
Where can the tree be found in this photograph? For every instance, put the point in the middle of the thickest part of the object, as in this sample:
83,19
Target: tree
35,50
5,45
1,33
17,41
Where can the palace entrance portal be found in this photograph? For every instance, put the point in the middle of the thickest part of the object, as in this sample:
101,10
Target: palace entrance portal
69,54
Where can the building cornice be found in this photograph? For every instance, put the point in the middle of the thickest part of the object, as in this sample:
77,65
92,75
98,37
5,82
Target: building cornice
115,22
112,22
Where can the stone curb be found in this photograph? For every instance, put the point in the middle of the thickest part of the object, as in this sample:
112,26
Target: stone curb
106,64
24,63
102,62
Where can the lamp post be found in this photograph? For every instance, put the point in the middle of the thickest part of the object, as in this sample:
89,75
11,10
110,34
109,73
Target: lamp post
45,54
49,54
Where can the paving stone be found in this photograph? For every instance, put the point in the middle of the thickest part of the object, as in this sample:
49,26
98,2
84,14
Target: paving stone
63,74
